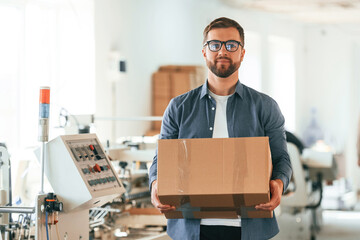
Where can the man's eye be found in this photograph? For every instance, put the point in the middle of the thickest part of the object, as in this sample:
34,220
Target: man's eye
215,45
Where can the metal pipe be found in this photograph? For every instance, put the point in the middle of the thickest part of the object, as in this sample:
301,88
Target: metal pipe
17,210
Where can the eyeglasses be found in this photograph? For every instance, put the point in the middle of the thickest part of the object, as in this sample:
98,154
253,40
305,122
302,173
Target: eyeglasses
216,45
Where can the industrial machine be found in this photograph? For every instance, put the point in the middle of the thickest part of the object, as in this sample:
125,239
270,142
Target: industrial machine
82,177
91,197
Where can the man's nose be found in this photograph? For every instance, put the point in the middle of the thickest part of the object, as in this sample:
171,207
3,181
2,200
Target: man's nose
223,50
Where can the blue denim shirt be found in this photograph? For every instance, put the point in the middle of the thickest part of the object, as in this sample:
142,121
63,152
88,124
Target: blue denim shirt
249,114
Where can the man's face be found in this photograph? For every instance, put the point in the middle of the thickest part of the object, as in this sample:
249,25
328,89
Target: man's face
223,63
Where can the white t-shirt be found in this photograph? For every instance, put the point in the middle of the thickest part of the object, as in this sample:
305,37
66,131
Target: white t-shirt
220,130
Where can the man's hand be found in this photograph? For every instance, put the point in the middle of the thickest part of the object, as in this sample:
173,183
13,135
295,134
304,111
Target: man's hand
155,199
276,189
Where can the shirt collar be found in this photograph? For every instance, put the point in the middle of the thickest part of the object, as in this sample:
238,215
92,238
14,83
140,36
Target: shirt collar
238,89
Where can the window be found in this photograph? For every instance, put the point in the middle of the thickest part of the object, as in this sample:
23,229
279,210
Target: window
282,77
44,43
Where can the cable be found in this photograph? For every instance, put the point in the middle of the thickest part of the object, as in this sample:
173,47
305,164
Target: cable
46,225
57,232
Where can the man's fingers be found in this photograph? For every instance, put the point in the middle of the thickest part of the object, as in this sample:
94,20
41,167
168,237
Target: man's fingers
274,202
167,209
156,201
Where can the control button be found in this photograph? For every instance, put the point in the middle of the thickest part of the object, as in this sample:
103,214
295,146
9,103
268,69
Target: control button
91,147
109,179
85,170
97,168
98,157
95,150
102,168
90,182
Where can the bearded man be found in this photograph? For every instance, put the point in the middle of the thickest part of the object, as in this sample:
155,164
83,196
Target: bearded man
224,107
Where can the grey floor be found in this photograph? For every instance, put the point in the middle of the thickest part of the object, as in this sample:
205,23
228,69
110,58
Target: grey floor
343,225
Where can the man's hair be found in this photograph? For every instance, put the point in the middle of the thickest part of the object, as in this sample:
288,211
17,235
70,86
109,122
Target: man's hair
224,22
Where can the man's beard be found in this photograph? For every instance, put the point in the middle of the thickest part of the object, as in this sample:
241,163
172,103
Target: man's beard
222,71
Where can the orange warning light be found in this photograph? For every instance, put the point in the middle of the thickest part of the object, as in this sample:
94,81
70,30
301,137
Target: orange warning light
45,95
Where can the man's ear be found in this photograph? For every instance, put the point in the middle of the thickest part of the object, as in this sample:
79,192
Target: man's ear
203,52
242,54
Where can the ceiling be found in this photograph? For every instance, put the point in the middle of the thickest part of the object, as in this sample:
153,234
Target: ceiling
312,11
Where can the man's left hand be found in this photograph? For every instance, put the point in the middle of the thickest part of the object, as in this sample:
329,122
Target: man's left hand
276,189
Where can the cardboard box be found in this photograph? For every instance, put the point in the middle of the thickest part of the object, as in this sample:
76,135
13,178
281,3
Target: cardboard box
161,85
171,81
214,178
179,68
180,83
159,107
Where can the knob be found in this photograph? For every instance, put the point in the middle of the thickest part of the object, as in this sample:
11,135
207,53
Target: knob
97,168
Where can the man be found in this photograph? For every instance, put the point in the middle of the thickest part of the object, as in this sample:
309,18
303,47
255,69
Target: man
223,107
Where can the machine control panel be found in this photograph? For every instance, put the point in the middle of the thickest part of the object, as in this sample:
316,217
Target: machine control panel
93,164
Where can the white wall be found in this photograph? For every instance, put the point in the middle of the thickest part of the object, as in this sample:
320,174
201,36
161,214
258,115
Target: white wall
152,33
331,84
157,32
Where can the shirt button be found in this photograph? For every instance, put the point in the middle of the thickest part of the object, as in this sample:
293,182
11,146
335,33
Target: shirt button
213,108
211,128
209,96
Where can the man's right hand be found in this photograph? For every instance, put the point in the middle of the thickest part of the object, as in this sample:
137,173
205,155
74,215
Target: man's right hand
155,199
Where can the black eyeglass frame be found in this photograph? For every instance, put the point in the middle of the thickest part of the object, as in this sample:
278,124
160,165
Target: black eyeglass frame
221,44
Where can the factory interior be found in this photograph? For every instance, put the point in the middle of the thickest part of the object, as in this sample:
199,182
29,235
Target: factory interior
75,165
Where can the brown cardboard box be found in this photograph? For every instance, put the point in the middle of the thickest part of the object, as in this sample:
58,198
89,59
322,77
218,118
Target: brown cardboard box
179,68
171,81
180,83
214,178
161,85
196,75
159,106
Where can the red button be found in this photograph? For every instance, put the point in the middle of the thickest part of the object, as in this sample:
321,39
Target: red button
97,168
91,147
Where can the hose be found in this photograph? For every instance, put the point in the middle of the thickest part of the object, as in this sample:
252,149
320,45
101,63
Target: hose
46,225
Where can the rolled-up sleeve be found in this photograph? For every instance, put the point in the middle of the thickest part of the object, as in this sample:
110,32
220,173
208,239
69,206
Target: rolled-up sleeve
169,130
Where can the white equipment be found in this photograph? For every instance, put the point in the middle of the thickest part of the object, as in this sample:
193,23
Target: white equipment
301,213
82,177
